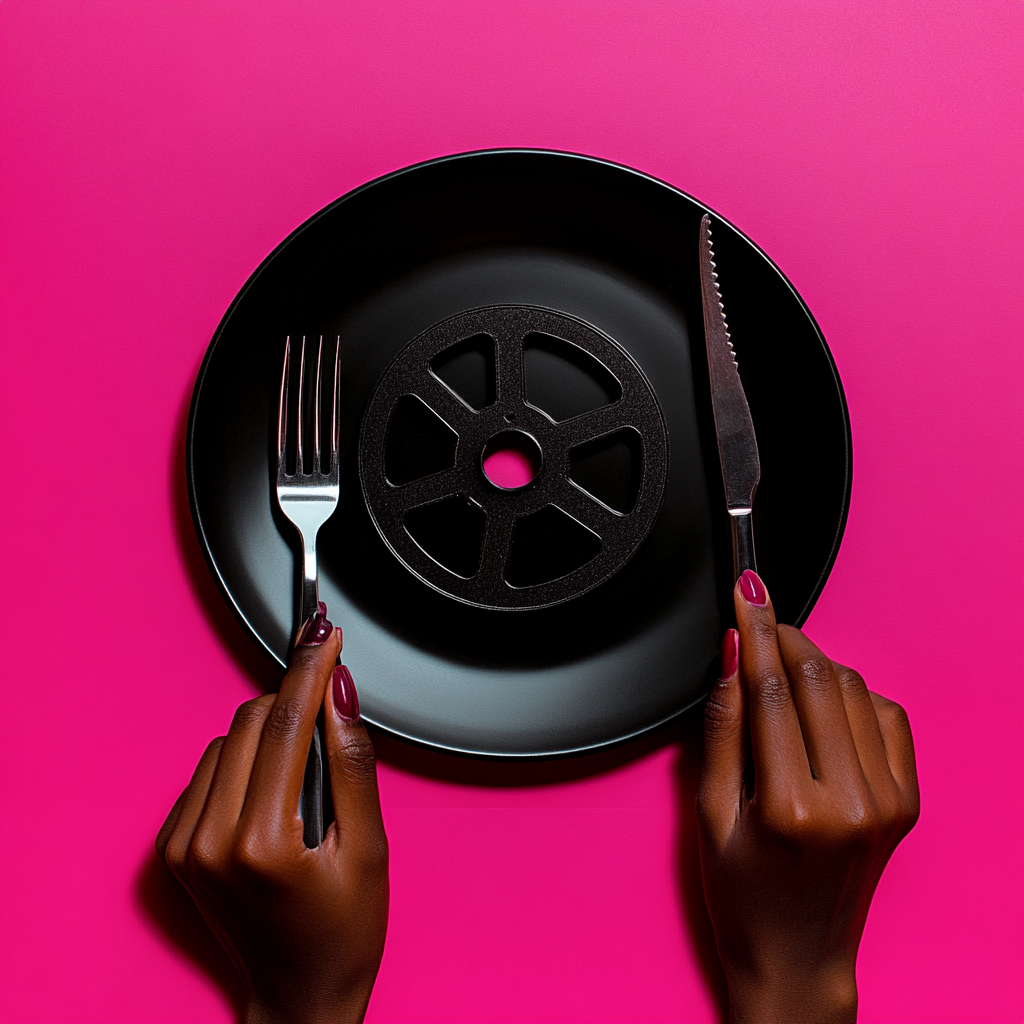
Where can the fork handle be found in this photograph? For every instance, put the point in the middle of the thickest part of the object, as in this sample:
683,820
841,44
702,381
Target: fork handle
315,800
309,595
311,800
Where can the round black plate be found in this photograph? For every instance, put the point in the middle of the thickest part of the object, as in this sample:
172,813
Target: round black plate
608,246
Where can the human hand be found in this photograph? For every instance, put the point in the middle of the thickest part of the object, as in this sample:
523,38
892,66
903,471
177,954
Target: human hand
807,785
305,928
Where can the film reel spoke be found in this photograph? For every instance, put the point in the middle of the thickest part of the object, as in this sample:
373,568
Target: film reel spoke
497,543
511,383
424,491
588,510
443,402
595,424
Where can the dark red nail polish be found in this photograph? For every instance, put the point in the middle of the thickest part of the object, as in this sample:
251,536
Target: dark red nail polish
752,589
316,629
346,700
730,653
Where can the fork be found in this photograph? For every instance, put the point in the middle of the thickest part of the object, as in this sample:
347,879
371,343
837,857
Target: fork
308,499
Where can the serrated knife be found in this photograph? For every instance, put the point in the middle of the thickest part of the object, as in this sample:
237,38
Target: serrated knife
737,444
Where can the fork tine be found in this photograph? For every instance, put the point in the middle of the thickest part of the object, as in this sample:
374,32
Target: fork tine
282,411
302,393
316,407
335,418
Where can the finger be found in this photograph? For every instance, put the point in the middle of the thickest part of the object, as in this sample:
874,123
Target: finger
720,787
777,745
275,783
814,683
899,748
219,820
176,850
169,822
358,826
867,736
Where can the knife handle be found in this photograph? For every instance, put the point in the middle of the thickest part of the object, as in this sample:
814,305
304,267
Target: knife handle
742,542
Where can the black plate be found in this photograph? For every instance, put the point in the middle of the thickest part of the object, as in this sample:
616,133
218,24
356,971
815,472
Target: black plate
606,245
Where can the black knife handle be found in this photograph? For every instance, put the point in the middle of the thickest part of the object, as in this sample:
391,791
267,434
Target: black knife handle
742,543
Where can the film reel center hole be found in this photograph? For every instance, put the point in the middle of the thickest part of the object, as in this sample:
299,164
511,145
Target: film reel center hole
511,460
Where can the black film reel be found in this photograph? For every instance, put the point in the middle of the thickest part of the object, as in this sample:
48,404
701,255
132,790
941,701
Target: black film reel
495,377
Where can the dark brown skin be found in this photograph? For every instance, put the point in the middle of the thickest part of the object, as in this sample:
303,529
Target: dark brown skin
808,783
305,928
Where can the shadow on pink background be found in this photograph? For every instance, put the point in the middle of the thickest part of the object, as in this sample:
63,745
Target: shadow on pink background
153,154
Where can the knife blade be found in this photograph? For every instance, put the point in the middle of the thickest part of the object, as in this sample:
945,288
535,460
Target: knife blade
737,443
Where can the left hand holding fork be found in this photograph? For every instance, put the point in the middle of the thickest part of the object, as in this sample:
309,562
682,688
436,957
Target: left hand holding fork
304,927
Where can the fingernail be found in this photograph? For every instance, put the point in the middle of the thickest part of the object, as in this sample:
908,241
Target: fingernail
730,653
346,700
752,589
316,629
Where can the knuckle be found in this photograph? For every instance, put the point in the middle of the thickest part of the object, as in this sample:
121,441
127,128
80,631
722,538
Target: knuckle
859,825
892,720
203,856
252,714
815,672
175,854
890,807
719,714
764,633
790,819
212,751
896,717
283,720
771,689
355,760
307,661
851,680
251,856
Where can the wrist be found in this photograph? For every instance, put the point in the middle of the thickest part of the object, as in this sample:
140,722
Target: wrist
259,1011
794,998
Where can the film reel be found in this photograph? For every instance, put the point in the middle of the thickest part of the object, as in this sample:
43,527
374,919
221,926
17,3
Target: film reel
551,388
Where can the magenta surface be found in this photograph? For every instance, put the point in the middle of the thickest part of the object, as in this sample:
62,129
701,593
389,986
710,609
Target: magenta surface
153,154
510,468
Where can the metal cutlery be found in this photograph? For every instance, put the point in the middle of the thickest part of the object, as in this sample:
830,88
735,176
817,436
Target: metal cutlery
308,497
737,444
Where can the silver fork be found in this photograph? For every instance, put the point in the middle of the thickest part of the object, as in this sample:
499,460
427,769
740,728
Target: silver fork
308,498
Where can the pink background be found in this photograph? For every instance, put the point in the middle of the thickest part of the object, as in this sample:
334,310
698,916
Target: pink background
153,154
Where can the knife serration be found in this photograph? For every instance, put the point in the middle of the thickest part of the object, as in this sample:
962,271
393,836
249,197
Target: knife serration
737,444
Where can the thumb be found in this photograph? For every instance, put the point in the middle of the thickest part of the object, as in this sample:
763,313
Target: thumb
353,767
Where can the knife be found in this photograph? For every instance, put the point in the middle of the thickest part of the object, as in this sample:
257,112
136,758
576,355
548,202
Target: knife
737,445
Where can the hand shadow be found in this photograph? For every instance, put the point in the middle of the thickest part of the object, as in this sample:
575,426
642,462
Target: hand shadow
166,903
690,730
171,909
